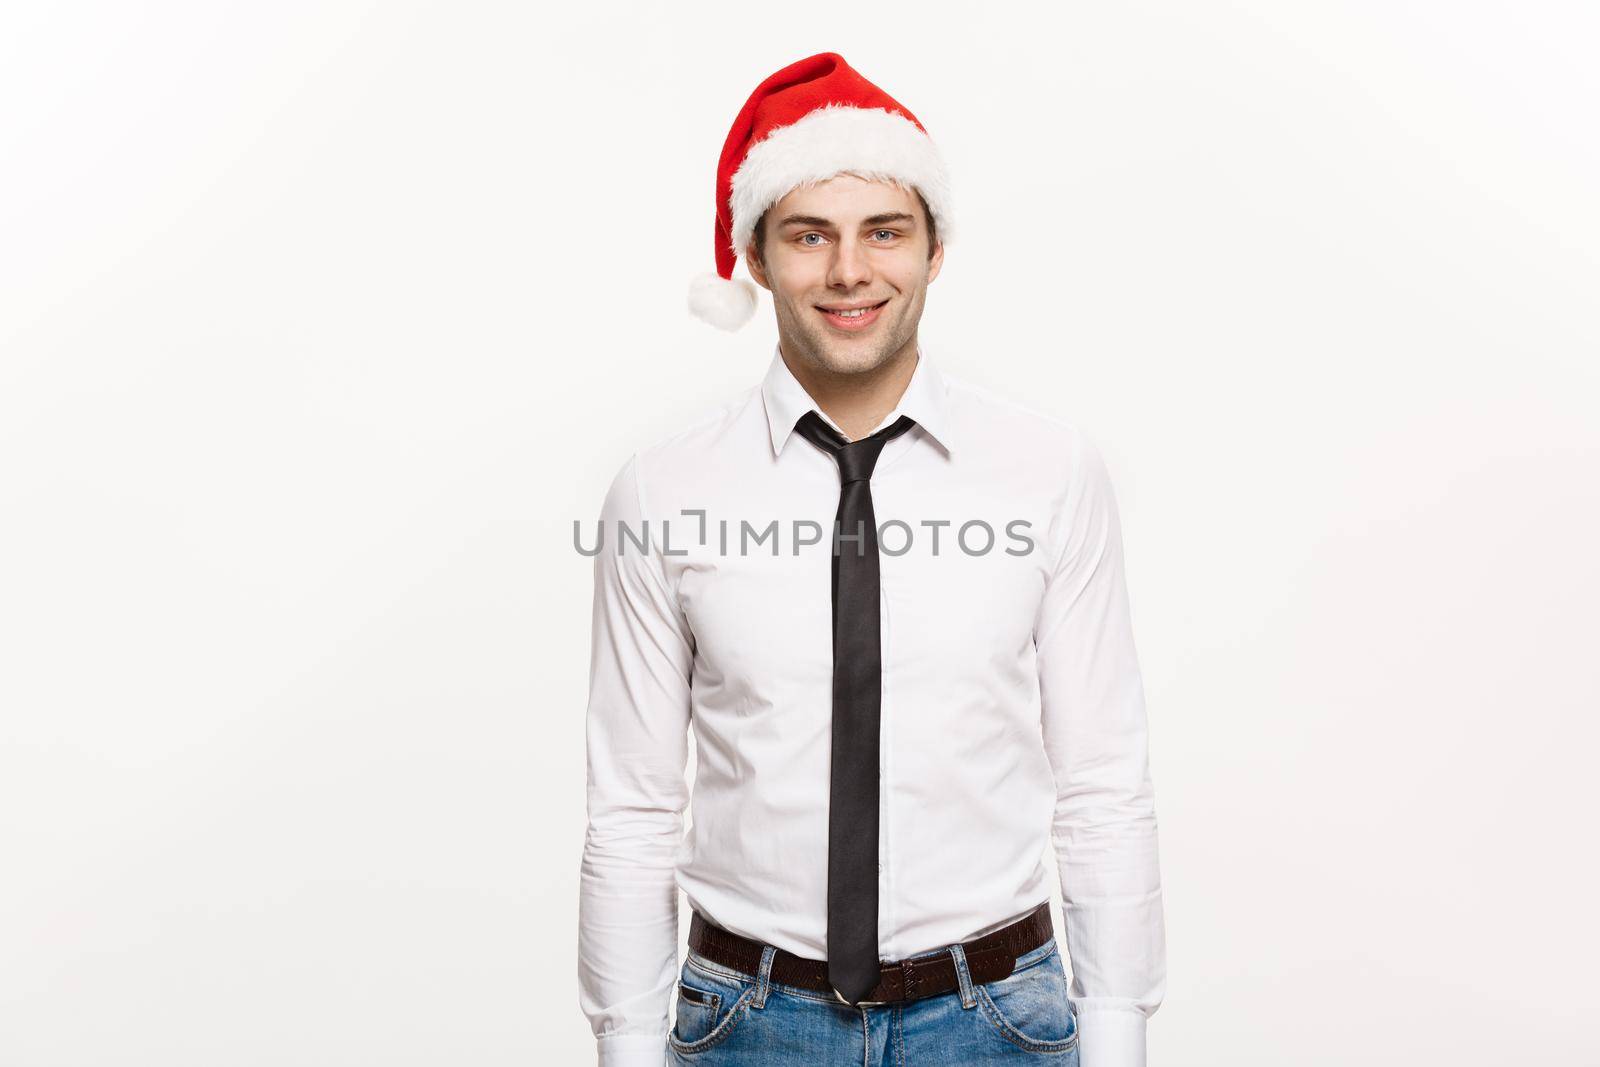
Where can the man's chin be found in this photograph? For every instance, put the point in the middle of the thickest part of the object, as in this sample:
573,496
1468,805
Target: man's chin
847,356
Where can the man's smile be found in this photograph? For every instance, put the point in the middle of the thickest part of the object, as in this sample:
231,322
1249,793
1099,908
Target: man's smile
851,317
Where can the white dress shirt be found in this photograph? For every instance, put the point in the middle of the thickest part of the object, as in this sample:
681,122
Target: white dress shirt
1012,703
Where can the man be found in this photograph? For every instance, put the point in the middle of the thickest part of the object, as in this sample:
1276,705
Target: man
891,606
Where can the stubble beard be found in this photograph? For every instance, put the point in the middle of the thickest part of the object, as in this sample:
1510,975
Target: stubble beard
810,341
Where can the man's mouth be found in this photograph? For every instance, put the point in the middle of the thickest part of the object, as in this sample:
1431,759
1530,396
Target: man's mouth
851,317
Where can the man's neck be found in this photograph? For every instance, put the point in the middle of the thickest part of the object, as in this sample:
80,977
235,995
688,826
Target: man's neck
857,402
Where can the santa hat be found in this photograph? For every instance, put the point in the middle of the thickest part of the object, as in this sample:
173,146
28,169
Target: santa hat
806,123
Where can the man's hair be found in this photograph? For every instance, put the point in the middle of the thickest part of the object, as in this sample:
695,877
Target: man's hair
760,240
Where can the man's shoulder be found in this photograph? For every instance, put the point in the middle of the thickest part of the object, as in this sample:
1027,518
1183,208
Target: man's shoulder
997,418
692,445
704,430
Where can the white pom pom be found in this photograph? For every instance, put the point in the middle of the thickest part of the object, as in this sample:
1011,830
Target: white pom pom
724,303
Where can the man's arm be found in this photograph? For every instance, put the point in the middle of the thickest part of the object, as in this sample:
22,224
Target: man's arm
637,737
1104,832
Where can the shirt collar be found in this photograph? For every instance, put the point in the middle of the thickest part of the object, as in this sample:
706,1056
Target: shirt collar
925,399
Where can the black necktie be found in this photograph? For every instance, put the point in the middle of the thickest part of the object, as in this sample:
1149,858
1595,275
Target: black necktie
857,675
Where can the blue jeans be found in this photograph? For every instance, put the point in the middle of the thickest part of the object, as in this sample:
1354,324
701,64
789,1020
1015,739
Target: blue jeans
725,1017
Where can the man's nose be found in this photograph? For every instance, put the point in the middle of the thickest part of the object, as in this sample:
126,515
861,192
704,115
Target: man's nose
851,266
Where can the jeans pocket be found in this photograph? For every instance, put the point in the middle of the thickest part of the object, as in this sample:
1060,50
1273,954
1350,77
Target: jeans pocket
711,1002
1030,1007
697,1012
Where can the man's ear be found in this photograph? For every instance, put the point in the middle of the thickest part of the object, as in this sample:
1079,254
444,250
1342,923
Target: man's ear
754,266
936,261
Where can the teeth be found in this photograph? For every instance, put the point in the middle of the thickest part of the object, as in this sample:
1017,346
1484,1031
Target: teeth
856,314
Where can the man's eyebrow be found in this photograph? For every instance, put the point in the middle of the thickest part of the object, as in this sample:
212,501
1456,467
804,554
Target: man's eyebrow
876,220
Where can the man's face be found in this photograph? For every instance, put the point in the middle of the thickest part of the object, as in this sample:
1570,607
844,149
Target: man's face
847,243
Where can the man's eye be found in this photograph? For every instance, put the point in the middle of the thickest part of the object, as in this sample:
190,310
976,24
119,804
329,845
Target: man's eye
812,244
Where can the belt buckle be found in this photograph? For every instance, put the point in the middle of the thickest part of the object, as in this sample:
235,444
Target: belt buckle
908,985
858,1004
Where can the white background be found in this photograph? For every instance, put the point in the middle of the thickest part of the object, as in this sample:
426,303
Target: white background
321,323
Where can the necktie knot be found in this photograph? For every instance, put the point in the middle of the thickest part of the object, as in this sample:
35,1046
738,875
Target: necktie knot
856,459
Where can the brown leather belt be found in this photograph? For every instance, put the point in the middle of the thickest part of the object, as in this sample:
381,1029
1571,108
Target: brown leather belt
989,959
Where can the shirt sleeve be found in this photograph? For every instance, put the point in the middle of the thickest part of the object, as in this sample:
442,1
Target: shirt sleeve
637,751
1095,736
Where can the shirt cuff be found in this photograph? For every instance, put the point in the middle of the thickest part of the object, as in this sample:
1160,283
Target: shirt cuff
1110,1037
632,1050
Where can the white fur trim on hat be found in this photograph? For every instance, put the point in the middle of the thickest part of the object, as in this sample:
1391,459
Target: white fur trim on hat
873,143
725,303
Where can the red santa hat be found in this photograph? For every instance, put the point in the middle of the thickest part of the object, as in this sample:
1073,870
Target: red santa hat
806,123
